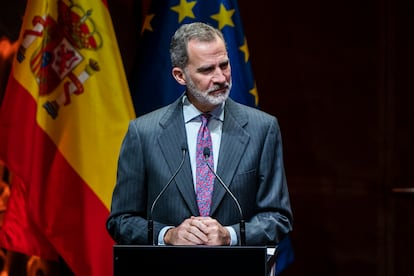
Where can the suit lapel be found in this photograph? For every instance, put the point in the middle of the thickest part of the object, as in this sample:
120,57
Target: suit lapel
171,141
234,141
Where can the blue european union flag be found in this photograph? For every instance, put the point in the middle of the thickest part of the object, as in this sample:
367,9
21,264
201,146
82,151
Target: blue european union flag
152,85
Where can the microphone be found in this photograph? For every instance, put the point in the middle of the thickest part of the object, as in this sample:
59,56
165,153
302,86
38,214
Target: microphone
206,153
150,221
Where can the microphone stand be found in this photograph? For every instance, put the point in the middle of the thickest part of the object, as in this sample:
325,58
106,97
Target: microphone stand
206,153
150,221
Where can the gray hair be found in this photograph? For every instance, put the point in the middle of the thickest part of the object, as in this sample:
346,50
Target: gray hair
186,32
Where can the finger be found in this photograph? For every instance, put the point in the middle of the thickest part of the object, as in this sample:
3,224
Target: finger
200,225
197,235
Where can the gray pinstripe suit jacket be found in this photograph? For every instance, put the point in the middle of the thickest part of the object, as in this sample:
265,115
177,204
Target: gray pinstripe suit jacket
250,163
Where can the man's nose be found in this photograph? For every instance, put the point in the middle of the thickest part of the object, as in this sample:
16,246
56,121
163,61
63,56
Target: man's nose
219,76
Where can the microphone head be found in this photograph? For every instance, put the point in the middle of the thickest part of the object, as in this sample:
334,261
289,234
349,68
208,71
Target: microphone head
206,152
184,147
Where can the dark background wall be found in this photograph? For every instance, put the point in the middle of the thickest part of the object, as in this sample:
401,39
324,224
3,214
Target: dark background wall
337,74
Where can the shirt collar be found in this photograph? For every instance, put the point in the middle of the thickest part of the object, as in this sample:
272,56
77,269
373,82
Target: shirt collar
191,112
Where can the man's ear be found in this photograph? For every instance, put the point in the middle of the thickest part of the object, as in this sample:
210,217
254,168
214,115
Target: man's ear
179,76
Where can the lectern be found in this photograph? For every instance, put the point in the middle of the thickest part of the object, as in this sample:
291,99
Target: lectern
191,260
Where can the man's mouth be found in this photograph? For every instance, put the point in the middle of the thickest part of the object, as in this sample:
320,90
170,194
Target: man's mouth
220,90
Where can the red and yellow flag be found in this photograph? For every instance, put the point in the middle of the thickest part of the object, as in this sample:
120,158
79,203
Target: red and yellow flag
62,119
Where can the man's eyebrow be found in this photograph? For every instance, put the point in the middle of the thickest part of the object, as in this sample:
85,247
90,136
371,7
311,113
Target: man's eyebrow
205,68
211,67
224,62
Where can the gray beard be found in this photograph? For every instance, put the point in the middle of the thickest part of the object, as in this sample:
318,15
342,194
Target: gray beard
207,98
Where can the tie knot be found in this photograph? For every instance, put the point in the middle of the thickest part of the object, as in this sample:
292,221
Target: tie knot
204,118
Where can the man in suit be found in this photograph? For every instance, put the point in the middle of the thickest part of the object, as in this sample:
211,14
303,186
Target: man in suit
245,152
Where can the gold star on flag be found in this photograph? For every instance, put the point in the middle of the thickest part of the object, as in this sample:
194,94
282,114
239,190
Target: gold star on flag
224,17
147,23
245,50
253,91
184,9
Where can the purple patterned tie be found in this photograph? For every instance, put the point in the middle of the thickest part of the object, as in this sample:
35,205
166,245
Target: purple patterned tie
205,178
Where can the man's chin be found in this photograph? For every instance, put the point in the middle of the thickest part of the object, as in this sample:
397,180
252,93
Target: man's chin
218,98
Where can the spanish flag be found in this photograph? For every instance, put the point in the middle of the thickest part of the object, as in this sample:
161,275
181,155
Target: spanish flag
64,113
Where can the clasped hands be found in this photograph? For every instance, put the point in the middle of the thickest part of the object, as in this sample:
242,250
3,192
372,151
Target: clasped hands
198,231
